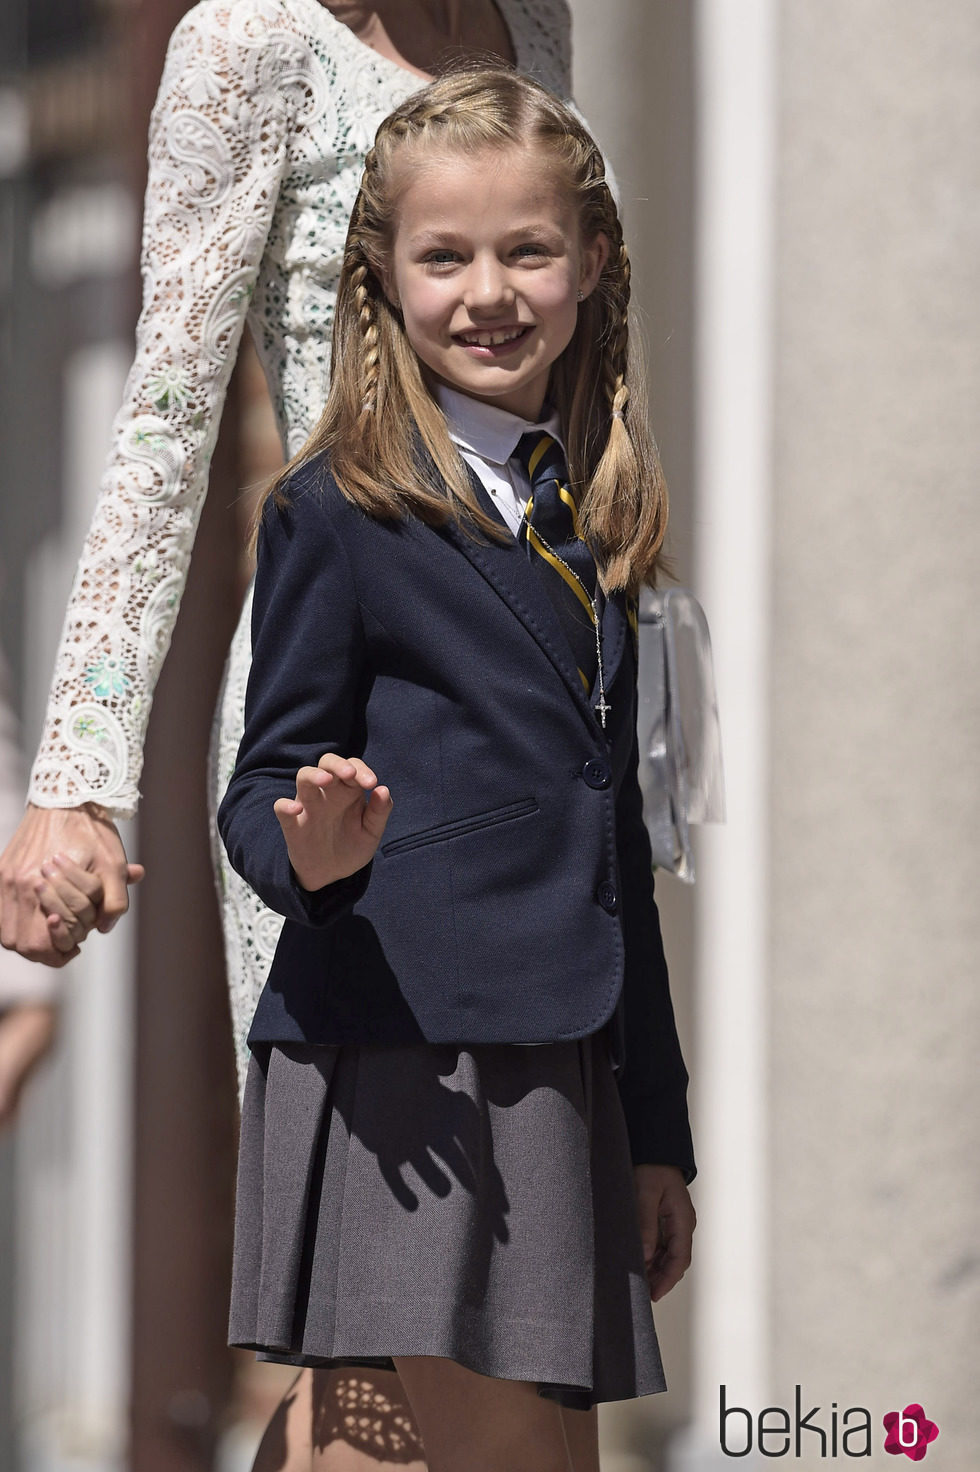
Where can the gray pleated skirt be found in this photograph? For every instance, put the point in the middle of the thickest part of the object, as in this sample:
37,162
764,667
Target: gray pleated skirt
474,1203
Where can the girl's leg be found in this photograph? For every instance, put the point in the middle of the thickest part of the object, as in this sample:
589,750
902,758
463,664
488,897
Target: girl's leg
345,1420
582,1439
287,1445
474,1423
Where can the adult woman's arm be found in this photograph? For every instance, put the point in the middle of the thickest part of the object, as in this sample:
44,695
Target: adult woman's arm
231,91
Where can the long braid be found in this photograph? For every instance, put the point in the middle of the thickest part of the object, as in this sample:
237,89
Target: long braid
359,283
364,307
626,506
616,352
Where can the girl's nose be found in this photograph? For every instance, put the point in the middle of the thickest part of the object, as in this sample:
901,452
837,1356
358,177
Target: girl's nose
488,286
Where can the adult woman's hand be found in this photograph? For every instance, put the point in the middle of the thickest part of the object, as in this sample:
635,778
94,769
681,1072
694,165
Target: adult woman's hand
90,839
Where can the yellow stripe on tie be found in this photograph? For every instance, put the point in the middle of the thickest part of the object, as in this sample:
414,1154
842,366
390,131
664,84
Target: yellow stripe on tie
541,448
633,615
569,501
583,678
569,577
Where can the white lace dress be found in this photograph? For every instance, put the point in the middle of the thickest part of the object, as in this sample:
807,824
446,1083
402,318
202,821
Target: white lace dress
265,112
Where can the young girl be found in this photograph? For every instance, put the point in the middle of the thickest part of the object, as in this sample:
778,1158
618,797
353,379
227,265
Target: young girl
437,787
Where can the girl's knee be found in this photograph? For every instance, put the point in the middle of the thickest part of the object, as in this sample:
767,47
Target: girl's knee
365,1409
477,1423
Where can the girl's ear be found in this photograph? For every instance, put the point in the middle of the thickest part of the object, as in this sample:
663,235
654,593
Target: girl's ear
594,258
388,286
390,294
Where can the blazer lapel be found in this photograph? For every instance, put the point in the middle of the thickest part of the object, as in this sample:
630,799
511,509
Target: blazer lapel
507,570
615,622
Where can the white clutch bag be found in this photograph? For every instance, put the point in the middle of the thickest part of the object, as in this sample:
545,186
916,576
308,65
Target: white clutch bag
681,773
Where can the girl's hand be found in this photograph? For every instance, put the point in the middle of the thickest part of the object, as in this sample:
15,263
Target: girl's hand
87,838
667,1222
69,897
334,824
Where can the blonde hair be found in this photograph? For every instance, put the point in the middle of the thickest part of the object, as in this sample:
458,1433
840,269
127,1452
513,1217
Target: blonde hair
377,386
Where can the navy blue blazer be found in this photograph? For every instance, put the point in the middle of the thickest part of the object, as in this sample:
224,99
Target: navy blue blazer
511,899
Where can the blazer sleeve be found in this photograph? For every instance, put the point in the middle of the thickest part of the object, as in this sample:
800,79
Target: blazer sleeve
303,696
653,1080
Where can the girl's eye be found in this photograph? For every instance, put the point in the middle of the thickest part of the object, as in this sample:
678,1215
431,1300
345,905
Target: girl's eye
530,249
440,258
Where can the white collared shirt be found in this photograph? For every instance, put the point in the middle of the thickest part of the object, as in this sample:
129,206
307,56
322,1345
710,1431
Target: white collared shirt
487,439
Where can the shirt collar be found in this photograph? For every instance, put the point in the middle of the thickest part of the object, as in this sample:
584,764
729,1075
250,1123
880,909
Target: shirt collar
485,430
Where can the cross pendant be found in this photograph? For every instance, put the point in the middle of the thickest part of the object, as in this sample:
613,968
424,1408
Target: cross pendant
602,708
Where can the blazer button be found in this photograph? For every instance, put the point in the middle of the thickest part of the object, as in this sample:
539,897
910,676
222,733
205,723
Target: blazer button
597,775
607,897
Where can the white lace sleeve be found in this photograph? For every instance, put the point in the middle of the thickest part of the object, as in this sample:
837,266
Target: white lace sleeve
232,87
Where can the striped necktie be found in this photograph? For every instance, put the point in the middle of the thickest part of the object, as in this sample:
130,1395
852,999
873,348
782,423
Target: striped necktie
554,543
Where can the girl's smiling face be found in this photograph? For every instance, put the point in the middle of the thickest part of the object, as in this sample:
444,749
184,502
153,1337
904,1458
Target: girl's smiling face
486,266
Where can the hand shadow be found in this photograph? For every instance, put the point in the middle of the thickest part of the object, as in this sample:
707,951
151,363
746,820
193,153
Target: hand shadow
445,1138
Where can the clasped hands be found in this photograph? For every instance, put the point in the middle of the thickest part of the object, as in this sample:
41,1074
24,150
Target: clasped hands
63,874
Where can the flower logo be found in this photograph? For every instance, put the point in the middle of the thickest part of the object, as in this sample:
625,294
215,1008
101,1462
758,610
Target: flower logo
909,1431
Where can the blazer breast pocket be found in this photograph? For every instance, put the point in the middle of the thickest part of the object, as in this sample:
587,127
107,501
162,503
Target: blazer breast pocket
458,827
